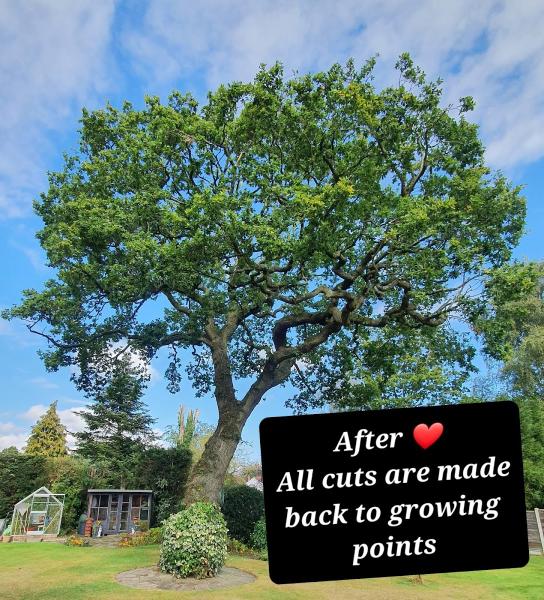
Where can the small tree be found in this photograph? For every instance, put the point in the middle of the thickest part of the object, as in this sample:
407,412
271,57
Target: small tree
182,436
118,424
48,436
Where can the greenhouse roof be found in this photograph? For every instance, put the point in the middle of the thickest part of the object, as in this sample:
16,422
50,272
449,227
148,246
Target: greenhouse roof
43,491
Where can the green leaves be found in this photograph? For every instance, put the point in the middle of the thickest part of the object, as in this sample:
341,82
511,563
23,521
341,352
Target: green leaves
515,310
194,542
242,507
118,427
512,328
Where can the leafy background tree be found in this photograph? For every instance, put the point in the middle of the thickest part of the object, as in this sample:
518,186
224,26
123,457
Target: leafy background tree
398,367
48,435
270,232
512,325
165,471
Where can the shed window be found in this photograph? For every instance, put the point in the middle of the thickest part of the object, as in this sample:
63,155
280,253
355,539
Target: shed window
99,507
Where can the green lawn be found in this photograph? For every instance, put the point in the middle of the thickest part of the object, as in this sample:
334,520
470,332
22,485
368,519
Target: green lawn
58,572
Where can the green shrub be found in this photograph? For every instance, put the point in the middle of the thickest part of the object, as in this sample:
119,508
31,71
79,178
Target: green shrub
242,506
155,535
143,526
20,475
73,476
195,542
240,549
165,471
258,537
142,538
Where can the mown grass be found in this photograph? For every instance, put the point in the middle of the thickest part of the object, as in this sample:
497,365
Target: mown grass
53,571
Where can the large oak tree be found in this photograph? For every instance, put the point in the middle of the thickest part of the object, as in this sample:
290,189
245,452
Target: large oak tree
272,234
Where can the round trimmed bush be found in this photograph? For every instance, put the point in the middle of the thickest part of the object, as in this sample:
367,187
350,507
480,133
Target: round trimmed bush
242,506
194,542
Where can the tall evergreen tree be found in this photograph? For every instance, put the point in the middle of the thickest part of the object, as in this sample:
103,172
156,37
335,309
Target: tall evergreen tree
118,424
48,436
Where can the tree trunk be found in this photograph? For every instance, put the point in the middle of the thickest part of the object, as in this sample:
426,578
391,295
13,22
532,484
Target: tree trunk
207,476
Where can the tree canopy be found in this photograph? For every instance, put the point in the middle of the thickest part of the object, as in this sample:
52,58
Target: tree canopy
286,229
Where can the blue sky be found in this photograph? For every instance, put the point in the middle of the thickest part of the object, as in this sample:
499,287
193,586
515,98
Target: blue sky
57,56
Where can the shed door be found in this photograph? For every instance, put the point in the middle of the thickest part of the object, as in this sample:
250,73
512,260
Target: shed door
113,521
124,521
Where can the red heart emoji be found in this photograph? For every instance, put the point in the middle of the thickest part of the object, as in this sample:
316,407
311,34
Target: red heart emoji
426,436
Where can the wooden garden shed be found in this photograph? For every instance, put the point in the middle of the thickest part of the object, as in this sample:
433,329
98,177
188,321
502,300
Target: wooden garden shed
120,510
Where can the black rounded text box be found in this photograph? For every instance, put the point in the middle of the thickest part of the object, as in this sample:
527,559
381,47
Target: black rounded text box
394,492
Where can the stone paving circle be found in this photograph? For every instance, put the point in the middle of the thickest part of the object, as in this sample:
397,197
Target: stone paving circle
152,578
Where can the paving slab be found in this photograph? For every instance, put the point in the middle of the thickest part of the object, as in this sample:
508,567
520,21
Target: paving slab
152,578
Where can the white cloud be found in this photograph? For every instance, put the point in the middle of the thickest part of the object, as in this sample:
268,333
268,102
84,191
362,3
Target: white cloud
73,422
58,56
35,255
68,416
17,333
492,50
34,412
6,328
136,361
65,400
7,427
160,435
13,439
53,59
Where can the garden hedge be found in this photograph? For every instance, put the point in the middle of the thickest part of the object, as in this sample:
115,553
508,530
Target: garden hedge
242,506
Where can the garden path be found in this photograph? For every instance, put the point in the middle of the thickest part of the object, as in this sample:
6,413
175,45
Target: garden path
151,578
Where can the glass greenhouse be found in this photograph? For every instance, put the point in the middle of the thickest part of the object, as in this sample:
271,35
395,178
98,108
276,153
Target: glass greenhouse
40,513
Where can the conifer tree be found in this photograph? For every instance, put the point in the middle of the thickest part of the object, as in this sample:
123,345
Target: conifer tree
48,436
118,424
